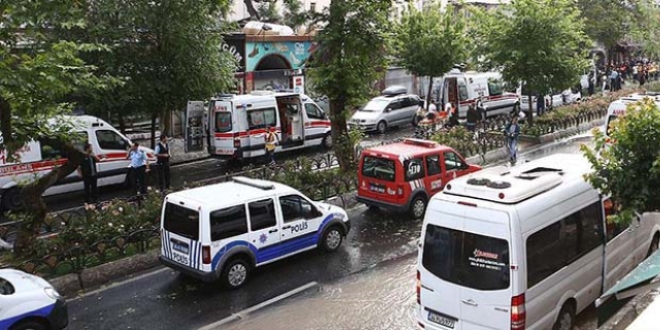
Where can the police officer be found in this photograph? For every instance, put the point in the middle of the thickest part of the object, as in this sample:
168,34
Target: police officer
163,155
139,167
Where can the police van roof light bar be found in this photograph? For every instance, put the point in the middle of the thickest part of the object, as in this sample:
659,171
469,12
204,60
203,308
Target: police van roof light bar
254,183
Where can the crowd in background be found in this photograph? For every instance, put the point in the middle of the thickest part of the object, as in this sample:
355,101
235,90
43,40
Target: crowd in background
636,71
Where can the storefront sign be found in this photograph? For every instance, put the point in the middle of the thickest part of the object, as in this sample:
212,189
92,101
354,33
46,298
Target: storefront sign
299,84
295,53
235,45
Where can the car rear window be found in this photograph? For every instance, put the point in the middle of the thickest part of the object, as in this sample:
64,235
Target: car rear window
5,287
467,259
223,121
181,221
379,168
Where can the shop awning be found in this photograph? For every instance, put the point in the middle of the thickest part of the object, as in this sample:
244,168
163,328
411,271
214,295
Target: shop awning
638,281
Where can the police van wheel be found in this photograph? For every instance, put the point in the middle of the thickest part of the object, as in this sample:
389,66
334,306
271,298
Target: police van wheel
332,239
327,141
418,207
12,200
29,325
236,273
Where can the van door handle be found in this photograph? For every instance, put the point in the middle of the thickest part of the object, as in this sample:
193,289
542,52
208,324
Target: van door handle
272,231
470,302
286,227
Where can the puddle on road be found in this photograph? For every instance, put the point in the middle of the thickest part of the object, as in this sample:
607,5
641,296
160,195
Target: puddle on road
381,298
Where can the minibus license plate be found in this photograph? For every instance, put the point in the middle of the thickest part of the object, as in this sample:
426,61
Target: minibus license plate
442,320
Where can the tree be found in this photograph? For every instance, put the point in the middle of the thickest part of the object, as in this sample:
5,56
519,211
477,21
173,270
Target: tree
294,14
608,21
167,51
647,32
37,72
351,56
537,42
628,168
430,42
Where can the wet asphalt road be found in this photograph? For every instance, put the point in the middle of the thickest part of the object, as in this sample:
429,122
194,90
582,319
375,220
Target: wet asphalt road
205,169
166,300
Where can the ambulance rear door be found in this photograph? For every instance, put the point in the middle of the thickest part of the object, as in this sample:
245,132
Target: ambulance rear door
223,123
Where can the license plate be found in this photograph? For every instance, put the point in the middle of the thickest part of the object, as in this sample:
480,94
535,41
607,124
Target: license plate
179,246
377,188
182,259
442,320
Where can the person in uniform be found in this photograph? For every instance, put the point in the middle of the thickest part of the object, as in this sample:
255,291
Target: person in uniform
163,156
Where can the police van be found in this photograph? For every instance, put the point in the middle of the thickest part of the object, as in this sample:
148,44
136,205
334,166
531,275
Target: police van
238,124
619,107
527,247
224,231
29,302
37,158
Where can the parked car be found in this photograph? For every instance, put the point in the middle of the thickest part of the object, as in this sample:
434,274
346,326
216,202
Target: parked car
403,176
29,302
395,107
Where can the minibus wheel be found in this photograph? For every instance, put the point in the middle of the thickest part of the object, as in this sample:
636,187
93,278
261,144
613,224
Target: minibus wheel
12,200
236,273
566,318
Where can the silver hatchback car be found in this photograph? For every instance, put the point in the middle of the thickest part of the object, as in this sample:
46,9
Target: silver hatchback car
394,108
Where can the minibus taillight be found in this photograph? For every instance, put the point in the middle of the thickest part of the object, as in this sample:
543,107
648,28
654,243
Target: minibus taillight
518,312
206,255
419,288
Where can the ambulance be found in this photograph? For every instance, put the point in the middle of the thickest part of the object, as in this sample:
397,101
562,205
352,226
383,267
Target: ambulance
36,159
470,88
618,107
238,124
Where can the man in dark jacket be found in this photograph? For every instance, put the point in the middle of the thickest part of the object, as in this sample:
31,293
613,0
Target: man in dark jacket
472,118
87,171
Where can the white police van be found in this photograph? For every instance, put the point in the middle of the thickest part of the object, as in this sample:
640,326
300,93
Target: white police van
223,231
29,302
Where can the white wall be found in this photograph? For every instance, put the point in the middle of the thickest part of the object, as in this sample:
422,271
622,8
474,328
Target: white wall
239,10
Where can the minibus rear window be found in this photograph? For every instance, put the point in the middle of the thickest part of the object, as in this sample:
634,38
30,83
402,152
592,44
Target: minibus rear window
223,121
379,168
470,260
181,221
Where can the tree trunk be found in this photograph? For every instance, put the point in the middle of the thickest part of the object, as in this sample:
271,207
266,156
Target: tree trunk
428,93
154,116
122,124
251,10
5,122
166,123
530,114
344,151
35,207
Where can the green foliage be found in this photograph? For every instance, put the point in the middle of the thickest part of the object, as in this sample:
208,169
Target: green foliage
459,138
628,169
38,71
539,42
647,31
167,52
608,21
430,42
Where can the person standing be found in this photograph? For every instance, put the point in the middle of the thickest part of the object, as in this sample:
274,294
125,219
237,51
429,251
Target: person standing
453,116
540,104
138,169
271,141
87,170
591,82
472,118
163,156
512,131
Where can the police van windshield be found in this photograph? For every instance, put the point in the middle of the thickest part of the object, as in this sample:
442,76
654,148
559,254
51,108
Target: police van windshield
181,221
223,121
467,259
379,168
5,287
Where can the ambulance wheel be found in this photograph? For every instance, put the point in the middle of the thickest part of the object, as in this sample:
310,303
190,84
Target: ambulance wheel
381,127
12,200
332,239
236,273
327,141
418,207
29,325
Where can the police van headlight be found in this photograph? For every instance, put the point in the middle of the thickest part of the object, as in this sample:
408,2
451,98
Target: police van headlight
52,293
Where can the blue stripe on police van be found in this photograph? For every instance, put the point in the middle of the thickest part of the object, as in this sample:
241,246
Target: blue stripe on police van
42,312
191,253
167,244
164,242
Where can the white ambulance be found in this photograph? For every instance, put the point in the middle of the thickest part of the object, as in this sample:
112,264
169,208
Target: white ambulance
36,159
527,247
619,107
238,124
468,88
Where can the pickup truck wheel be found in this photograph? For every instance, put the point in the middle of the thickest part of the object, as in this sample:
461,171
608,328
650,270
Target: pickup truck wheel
12,200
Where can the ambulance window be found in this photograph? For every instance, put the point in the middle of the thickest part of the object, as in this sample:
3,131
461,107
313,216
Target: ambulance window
462,91
49,152
223,121
494,87
228,222
414,169
433,164
313,112
261,118
108,139
262,214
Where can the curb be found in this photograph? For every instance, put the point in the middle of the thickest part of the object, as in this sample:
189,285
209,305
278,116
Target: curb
70,285
629,312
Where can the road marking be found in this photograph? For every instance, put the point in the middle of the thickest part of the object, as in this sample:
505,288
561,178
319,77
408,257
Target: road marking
242,314
116,284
